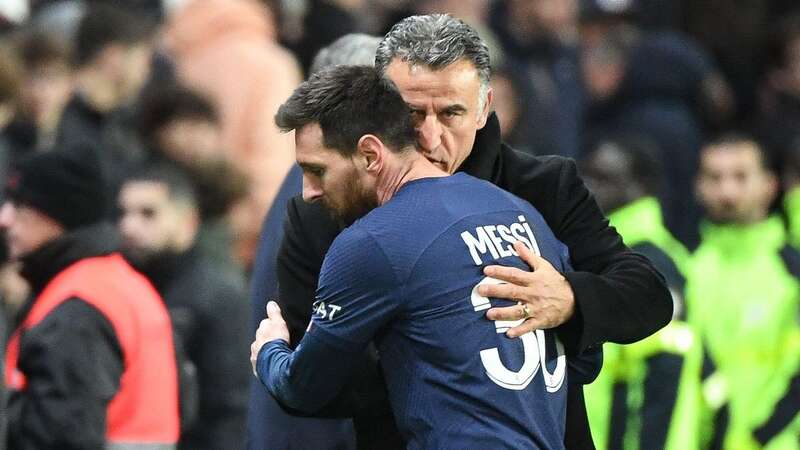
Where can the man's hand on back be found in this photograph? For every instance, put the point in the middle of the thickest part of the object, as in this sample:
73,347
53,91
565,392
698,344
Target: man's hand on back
545,296
270,329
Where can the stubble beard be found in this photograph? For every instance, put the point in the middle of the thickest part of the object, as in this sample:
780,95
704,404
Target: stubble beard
356,202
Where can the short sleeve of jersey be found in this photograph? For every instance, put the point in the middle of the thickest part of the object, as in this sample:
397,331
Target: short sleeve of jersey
358,292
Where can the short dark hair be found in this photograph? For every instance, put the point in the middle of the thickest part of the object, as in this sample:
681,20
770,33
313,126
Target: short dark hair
36,48
9,75
180,187
103,25
349,102
643,154
730,138
163,105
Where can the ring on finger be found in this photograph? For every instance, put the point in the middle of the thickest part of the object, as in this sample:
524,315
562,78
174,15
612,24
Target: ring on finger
526,312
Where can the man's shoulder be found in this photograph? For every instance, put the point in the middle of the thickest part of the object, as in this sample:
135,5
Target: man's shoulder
526,166
357,254
206,284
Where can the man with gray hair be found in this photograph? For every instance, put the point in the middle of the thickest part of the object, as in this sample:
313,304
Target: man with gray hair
442,69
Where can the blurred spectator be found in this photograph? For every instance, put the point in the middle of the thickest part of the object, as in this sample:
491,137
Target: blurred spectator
45,88
226,50
540,38
91,363
512,90
735,36
181,126
650,84
743,292
111,60
159,222
646,394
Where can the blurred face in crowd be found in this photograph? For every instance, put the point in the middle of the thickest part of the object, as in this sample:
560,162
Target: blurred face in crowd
45,89
190,140
152,223
332,179
603,68
445,107
607,173
125,69
733,185
506,103
26,228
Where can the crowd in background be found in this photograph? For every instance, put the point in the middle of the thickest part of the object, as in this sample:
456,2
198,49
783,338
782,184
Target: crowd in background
686,111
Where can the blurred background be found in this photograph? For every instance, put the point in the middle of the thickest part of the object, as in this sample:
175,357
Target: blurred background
688,109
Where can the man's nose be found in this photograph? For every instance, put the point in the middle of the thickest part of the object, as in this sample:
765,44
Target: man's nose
729,190
7,214
311,190
429,133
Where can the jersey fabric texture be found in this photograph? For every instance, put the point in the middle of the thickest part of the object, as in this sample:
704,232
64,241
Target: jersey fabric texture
405,275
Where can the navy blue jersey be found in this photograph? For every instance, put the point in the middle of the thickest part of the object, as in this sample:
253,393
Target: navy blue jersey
405,277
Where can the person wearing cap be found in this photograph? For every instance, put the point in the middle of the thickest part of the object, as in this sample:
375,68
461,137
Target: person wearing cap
90,364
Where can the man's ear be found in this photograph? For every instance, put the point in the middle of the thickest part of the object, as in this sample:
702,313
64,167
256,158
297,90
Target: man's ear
487,108
371,150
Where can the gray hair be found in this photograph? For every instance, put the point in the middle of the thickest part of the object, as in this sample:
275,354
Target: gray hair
436,41
354,49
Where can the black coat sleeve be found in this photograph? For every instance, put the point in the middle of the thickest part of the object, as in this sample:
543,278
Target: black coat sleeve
216,349
308,233
619,296
73,364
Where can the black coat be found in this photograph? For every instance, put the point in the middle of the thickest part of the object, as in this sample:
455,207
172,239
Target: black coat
208,305
72,358
620,297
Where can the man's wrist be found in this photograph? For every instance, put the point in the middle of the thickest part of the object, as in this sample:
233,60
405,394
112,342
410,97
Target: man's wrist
263,358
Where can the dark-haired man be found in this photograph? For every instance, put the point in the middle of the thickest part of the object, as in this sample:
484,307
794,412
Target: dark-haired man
111,62
159,223
441,68
454,379
742,294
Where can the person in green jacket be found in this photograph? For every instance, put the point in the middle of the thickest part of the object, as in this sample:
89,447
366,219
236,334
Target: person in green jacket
646,396
742,295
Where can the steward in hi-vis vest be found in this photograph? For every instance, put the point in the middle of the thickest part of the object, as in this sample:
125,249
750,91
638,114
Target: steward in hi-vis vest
91,362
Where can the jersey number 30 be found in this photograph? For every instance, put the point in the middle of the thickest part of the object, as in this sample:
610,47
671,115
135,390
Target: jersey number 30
533,344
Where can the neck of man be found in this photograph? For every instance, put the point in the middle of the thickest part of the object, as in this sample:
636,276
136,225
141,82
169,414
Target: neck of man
406,168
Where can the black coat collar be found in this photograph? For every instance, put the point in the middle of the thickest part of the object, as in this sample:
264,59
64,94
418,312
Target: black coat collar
484,161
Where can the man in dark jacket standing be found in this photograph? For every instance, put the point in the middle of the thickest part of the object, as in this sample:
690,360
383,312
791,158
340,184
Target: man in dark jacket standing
159,224
441,67
91,363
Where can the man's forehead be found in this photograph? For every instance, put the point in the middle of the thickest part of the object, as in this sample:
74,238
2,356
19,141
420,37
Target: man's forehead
457,79
145,191
309,145
732,154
